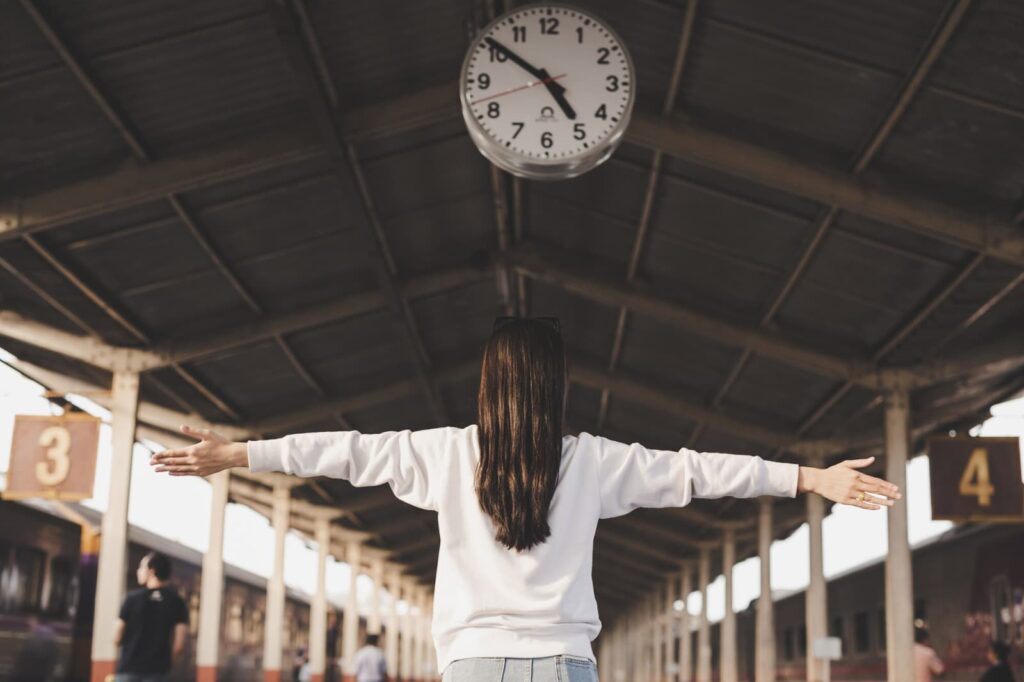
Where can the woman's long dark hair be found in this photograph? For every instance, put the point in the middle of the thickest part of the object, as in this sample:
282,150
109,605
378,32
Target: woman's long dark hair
520,406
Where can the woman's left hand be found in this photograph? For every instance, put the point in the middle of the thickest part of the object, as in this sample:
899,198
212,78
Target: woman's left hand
842,483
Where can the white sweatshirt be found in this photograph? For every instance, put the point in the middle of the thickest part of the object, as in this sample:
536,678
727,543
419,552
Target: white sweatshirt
492,601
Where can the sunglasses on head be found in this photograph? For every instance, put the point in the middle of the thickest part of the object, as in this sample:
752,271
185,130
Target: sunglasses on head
552,322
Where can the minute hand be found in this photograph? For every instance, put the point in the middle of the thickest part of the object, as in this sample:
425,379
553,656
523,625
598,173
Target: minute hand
556,89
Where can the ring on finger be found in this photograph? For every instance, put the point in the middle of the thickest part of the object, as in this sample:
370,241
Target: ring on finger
860,497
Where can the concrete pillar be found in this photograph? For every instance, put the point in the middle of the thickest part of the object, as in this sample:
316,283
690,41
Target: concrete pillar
764,653
899,586
417,634
685,652
112,570
391,640
671,620
704,628
377,574
658,622
429,657
318,613
816,606
727,666
405,660
273,626
350,619
211,590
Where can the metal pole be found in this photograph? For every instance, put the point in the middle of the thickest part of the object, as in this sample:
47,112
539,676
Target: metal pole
704,628
274,624
211,591
350,622
727,646
899,584
816,606
318,615
765,652
112,570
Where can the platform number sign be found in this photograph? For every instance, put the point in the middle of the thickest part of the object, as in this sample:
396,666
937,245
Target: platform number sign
53,457
976,479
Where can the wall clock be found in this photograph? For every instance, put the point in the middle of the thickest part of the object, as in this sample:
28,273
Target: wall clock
547,91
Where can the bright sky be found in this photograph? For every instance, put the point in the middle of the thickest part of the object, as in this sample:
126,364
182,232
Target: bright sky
178,508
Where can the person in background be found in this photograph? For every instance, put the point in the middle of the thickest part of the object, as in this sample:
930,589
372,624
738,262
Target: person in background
152,626
999,657
298,662
926,661
369,664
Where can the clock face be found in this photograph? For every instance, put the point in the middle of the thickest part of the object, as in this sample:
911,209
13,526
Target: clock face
547,85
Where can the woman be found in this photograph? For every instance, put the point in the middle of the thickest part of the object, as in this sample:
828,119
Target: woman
518,504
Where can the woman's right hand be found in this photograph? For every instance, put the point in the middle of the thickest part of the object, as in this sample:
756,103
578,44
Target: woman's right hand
842,483
211,454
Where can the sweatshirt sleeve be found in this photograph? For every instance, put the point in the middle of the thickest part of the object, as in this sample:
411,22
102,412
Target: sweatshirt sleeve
409,461
633,476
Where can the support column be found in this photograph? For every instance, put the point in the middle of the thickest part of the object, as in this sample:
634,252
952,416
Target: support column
417,636
112,570
899,581
429,657
815,606
685,651
727,666
318,613
391,638
377,574
273,626
211,590
764,653
405,661
350,619
658,623
704,628
671,618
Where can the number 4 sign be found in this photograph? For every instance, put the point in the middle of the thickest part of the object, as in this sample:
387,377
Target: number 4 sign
976,479
53,457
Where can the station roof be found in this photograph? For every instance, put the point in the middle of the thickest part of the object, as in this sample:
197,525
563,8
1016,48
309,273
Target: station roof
281,200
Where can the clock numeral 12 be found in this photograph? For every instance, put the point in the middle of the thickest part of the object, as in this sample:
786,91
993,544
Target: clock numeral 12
549,26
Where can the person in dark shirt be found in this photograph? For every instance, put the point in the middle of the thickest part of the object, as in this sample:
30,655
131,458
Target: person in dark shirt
998,656
152,626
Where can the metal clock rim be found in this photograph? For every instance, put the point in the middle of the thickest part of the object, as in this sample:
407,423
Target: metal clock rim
520,164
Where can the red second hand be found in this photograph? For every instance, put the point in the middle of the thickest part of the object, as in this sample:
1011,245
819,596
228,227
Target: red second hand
521,87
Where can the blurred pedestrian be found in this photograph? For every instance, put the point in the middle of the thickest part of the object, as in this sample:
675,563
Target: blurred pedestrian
999,657
369,664
153,624
926,661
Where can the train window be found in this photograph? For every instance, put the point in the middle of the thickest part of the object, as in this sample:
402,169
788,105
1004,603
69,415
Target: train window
837,631
802,642
861,633
62,588
787,639
193,614
1001,609
881,629
921,610
234,629
21,579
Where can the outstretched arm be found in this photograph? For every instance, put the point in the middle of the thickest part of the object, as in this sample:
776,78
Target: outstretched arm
633,476
408,461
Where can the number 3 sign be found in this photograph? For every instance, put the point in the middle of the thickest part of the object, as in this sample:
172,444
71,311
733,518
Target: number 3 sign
53,457
976,479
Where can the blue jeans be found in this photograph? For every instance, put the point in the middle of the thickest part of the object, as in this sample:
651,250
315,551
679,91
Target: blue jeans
550,669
